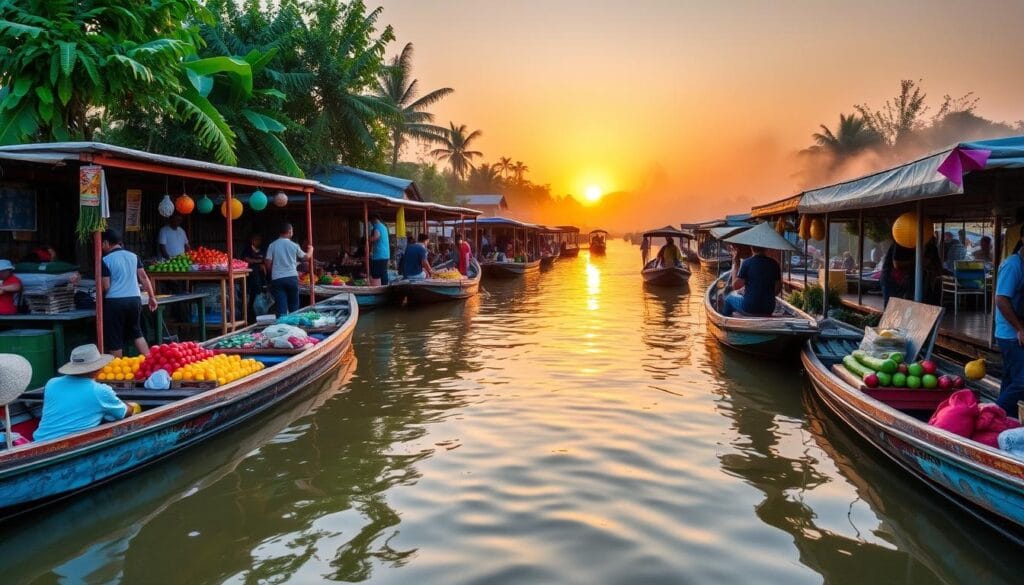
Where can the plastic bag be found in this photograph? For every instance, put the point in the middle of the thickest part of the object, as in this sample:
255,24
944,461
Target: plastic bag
158,380
263,303
883,342
285,331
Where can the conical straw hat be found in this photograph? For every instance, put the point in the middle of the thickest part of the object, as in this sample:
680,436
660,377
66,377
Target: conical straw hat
762,236
15,375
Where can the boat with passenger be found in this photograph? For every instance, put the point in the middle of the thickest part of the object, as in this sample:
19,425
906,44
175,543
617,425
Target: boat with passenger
712,255
513,247
598,242
549,245
667,267
568,241
446,284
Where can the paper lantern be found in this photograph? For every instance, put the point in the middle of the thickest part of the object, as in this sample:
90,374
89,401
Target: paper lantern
281,199
166,207
258,200
780,227
205,205
904,230
817,229
400,223
184,204
236,208
804,231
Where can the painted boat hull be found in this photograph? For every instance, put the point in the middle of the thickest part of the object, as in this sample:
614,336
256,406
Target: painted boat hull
509,269
438,291
667,276
569,253
762,336
597,249
368,297
39,473
985,482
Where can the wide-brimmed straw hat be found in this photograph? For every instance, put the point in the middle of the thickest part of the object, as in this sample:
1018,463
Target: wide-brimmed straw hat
6,265
762,236
85,359
15,375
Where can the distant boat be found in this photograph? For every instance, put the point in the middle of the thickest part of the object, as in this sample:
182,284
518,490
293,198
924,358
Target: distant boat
712,255
495,269
598,242
569,241
523,239
780,334
653,274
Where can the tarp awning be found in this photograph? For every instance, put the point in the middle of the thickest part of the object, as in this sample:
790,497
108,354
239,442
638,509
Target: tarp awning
779,207
937,175
667,232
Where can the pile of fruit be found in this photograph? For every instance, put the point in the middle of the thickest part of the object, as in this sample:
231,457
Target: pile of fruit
893,372
209,259
180,263
242,341
219,368
449,274
120,369
170,357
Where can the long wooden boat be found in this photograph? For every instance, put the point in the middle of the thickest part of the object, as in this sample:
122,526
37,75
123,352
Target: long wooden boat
433,290
715,264
985,482
781,334
492,269
666,275
34,474
367,297
569,252
598,246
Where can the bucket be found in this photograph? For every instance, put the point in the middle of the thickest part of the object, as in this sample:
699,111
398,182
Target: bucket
35,345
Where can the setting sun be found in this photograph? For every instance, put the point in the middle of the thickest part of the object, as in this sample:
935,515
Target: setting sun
592,193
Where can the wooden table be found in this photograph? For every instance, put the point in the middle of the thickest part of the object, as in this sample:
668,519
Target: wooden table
227,326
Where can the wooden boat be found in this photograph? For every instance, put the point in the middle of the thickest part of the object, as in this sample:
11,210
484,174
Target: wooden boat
34,474
494,269
653,274
569,252
367,297
569,241
434,290
781,334
598,242
547,261
985,482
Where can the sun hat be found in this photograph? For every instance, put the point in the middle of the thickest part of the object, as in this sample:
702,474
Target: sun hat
6,265
85,359
15,375
762,236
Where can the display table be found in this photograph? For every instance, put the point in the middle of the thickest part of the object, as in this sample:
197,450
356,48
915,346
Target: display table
228,323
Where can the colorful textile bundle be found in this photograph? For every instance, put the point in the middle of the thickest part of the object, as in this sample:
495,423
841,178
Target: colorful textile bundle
961,415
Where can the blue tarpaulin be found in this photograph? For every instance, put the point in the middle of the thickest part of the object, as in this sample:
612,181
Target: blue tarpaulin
937,175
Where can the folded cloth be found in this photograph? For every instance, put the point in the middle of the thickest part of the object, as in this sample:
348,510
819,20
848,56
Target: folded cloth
1012,441
991,422
957,414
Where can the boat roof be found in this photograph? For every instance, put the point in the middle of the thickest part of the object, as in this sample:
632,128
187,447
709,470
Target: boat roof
507,221
569,228
551,229
737,220
666,232
599,231
782,206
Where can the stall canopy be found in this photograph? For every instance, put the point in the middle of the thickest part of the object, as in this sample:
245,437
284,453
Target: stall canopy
353,179
735,220
937,175
780,207
666,232
507,221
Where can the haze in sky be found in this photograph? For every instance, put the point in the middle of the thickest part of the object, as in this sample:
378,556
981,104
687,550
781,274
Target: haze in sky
695,109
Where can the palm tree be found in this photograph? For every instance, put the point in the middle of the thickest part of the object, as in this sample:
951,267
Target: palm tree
518,168
853,135
484,178
411,118
456,144
504,165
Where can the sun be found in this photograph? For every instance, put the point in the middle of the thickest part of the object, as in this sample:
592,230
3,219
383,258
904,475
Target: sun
592,193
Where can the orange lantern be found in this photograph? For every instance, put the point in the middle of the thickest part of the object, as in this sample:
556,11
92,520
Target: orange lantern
236,208
904,230
817,230
184,204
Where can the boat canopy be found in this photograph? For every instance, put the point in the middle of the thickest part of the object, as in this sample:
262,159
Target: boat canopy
592,232
568,228
550,229
762,235
783,206
667,232
507,221
937,175
736,220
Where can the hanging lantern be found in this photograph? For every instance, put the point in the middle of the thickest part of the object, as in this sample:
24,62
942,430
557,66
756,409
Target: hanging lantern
780,226
258,200
166,207
184,204
205,205
236,209
400,223
904,230
817,229
804,231
281,199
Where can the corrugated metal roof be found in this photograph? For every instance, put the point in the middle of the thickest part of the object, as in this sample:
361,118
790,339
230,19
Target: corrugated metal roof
344,177
506,221
779,207
472,200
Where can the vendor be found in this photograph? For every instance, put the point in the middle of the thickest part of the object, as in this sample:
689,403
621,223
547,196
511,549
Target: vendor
10,286
414,264
75,401
173,240
282,262
42,253
380,252
122,273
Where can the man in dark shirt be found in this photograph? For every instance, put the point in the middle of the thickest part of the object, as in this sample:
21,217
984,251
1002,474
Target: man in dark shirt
414,263
761,279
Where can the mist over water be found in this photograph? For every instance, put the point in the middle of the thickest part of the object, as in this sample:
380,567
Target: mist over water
572,427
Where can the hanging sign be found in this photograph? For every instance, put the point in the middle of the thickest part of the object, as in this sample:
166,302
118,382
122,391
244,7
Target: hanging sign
90,179
133,210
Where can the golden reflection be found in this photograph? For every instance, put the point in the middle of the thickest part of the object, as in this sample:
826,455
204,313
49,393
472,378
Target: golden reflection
593,285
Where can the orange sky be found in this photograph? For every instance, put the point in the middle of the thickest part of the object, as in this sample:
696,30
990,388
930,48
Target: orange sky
700,106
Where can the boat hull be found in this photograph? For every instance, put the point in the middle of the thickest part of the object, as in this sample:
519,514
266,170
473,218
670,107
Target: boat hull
569,253
984,481
763,336
509,269
438,291
367,297
547,262
713,266
757,343
40,473
668,276
597,249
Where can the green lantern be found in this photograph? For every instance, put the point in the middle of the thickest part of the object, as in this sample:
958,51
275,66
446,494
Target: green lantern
258,200
205,205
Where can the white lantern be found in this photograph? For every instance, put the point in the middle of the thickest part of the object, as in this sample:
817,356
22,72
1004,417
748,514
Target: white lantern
166,207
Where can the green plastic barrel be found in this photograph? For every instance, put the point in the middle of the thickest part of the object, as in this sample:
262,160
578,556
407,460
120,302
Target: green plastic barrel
35,345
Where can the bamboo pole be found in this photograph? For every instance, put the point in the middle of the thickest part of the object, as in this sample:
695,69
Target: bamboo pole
309,239
919,255
860,257
231,254
366,240
97,250
828,266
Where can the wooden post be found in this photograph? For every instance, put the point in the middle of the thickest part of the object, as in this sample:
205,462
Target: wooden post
309,239
919,255
231,255
366,240
828,266
476,236
860,256
97,250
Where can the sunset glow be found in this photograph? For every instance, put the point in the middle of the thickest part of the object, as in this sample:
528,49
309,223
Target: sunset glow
593,193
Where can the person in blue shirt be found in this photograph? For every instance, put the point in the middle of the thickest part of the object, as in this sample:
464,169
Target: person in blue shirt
760,277
76,402
380,252
122,272
415,265
1010,329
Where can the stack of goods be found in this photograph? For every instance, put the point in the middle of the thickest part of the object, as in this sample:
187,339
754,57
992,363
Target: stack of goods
180,263
892,372
961,415
59,299
281,336
449,274
326,279
242,341
219,368
207,259
306,319
171,356
121,369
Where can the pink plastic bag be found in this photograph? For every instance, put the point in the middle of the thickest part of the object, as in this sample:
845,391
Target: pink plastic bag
991,421
957,414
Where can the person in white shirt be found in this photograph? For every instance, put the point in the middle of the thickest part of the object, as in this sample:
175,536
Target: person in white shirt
282,261
173,240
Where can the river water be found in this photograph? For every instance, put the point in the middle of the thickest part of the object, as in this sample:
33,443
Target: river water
571,427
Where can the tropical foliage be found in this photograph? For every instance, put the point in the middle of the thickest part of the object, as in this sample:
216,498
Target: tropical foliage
456,147
852,135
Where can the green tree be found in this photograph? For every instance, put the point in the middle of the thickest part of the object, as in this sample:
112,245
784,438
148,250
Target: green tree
901,117
852,136
484,179
456,144
519,169
410,118
64,62
504,165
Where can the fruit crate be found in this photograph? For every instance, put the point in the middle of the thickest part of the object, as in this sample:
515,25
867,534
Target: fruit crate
898,398
58,300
